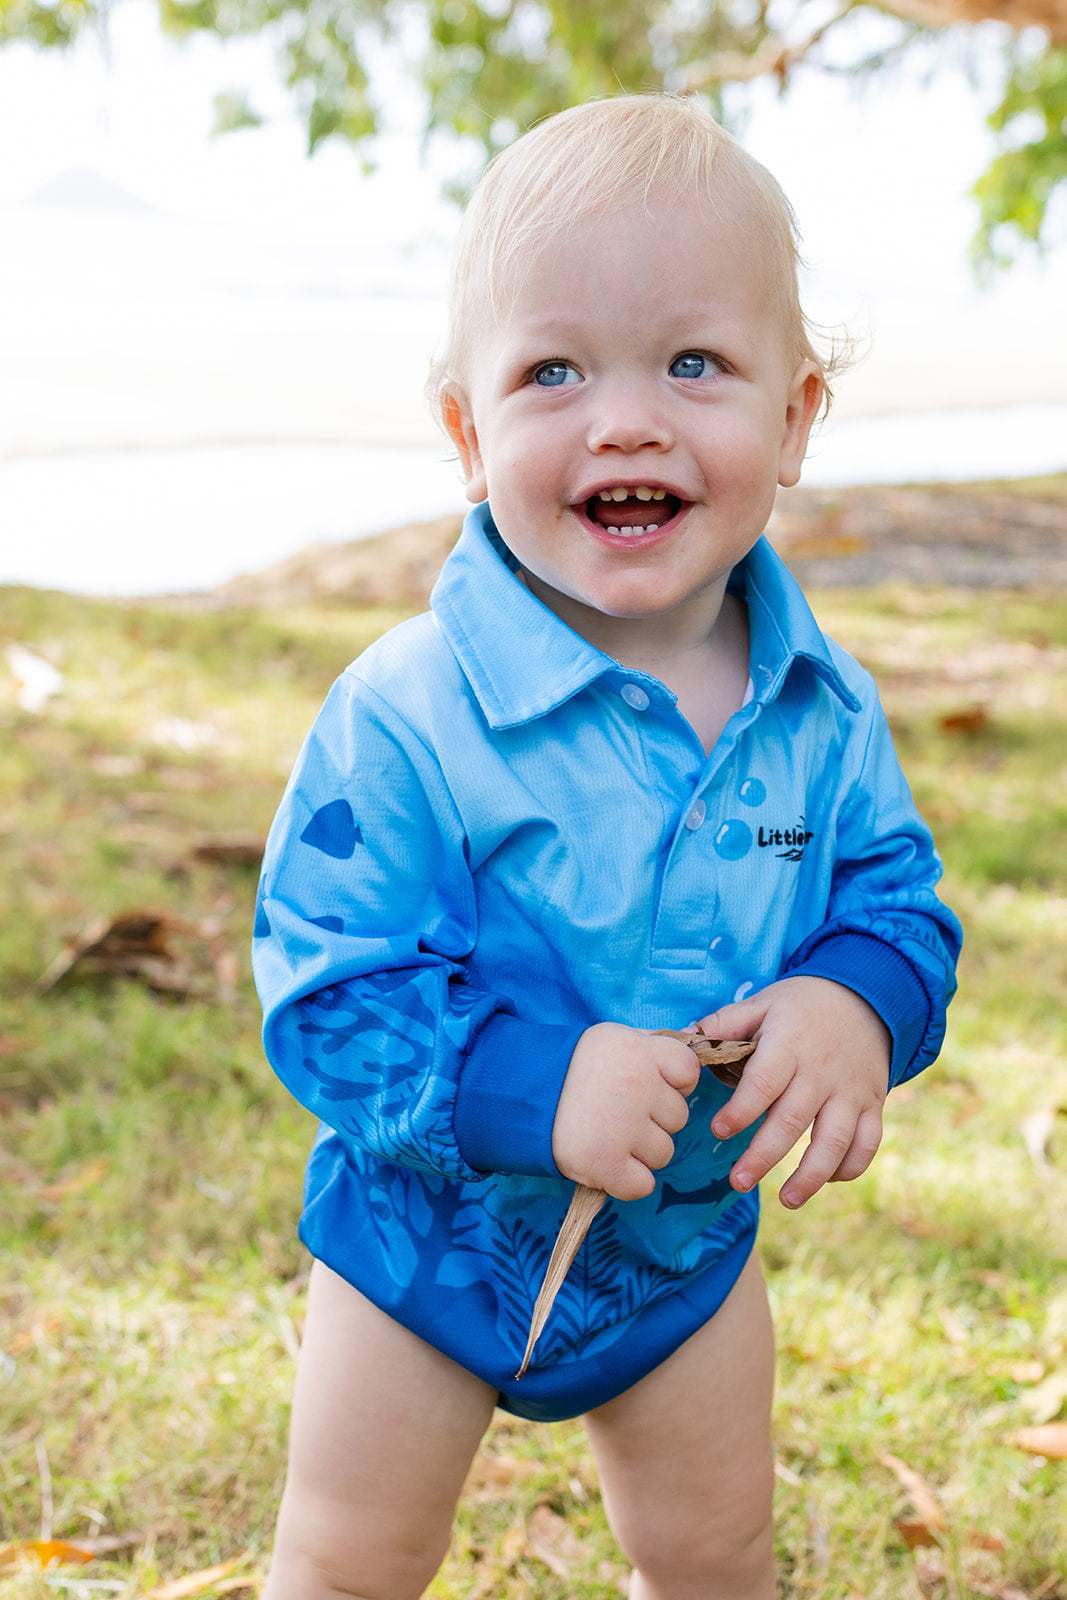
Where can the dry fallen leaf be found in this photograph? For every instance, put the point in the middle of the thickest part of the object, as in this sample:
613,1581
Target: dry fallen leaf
1037,1130
36,680
77,1183
916,1535
42,1553
552,1540
492,1476
197,1582
726,1059
1044,1402
919,1492
1050,1440
231,850
134,944
971,719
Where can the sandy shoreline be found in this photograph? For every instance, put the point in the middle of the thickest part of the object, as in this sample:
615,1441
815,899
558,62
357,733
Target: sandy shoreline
970,536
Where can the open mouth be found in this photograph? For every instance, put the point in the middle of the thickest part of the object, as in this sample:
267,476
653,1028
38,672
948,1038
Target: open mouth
630,511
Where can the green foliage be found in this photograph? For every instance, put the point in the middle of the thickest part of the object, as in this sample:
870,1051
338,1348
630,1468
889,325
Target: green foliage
44,24
1016,189
491,68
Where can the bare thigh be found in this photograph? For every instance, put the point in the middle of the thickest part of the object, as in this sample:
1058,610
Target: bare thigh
686,1462
383,1432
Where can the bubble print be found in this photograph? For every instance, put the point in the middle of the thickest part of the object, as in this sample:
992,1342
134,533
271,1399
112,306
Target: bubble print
723,947
734,839
744,992
752,792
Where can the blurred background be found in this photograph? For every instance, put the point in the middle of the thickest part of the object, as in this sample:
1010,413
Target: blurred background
213,345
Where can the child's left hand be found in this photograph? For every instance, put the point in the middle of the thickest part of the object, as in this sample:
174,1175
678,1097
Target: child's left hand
822,1062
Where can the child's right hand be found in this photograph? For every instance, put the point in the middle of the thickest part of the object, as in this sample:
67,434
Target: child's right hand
623,1097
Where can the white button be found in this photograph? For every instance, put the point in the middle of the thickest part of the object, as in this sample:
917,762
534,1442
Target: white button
697,814
634,696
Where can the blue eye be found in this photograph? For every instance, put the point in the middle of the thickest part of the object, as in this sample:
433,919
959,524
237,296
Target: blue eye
690,364
554,374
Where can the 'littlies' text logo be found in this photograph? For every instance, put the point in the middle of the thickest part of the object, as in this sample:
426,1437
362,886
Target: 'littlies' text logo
792,839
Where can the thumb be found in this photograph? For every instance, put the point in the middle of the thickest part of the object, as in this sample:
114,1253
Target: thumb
739,1020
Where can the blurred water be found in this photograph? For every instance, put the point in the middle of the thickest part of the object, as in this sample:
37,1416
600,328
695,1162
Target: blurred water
181,402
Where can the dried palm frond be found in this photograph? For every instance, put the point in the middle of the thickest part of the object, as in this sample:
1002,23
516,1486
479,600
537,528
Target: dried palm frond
726,1059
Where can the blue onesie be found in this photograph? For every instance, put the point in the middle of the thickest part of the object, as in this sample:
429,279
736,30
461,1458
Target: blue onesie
496,836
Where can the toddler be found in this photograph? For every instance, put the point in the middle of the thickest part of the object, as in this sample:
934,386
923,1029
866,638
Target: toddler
615,781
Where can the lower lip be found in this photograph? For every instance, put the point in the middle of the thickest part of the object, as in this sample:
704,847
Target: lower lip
633,541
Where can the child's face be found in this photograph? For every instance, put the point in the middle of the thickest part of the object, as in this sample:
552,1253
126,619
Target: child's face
630,417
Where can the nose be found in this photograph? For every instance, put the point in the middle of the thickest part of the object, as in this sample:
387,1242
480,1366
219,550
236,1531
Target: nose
629,415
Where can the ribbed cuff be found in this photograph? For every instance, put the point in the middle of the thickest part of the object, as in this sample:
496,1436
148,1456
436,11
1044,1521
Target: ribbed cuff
508,1093
879,974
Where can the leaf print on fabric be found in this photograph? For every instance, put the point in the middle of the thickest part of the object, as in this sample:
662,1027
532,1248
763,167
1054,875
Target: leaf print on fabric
598,1296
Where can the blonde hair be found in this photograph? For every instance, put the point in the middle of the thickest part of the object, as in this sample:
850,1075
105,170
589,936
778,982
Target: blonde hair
585,161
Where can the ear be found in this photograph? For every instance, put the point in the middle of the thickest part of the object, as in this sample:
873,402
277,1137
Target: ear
459,424
806,391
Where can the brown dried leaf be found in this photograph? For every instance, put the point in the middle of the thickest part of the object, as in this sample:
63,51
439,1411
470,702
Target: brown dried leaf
553,1541
167,953
917,1536
134,944
492,1476
231,850
970,719
42,1553
514,1544
197,1582
585,1203
77,1183
1049,1440
1044,1402
921,1495
726,1058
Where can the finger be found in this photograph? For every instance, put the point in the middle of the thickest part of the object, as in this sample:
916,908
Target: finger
678,1066
632,1181
861,1152
768,1074
787,1121
739,1020
670,1111
832,1136
654,1147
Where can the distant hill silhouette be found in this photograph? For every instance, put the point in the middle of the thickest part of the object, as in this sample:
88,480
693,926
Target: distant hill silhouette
81,186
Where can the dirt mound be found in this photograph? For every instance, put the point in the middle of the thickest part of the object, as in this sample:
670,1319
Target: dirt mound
998,535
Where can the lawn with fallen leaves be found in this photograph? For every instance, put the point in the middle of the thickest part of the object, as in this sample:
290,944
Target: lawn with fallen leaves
150,1165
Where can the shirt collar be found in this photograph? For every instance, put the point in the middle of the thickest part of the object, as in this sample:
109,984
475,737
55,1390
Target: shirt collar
536,662
532,663
782,628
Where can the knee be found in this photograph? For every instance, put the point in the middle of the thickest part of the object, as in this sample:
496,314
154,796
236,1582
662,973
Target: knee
708,1555
353,1562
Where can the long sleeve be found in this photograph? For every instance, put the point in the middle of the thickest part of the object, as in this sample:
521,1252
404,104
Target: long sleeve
365,919
887,936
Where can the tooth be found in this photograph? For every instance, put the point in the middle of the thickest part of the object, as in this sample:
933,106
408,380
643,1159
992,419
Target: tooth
604,494
659,494
616,531
620,494
644,493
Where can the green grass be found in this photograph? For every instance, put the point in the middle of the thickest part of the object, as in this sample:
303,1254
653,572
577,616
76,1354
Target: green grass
150,1165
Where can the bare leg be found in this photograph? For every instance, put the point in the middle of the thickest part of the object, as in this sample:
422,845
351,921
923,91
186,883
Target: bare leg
686,1464
383,1432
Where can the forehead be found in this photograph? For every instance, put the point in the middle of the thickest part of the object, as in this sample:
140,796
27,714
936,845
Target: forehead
663,263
